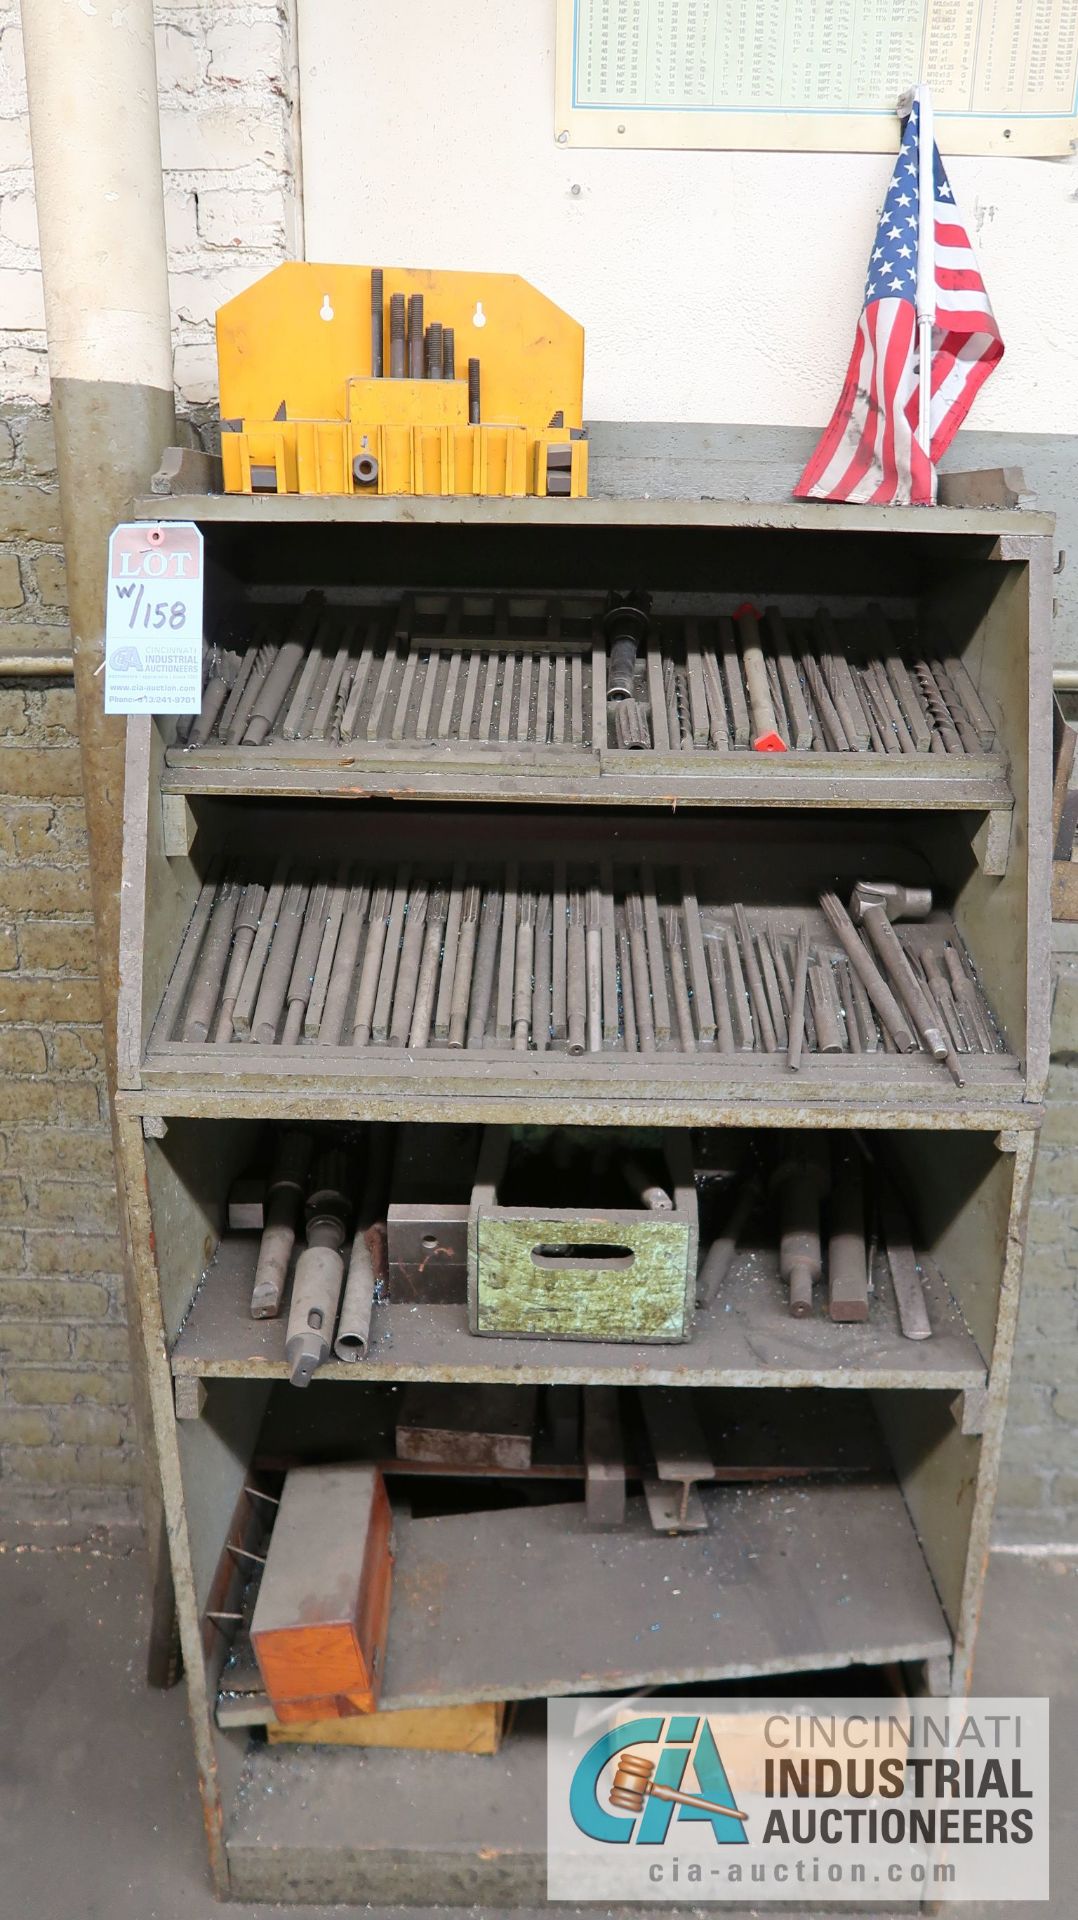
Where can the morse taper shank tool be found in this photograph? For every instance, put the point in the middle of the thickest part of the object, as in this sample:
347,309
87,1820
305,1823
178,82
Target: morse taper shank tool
284,1198
800,1181
316,1288
874,904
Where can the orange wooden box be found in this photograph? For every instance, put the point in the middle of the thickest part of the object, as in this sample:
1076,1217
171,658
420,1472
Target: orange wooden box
322,1614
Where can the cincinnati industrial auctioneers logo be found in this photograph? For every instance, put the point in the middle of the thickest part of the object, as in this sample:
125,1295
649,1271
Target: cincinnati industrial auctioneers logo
651,1791
689,1799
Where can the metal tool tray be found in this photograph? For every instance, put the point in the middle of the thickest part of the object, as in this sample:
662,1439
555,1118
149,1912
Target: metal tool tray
506,694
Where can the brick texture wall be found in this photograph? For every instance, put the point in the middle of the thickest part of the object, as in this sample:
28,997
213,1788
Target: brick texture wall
227,98
67,1446
227,88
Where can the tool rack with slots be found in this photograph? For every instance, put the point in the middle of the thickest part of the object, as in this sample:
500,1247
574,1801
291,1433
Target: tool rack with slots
457,656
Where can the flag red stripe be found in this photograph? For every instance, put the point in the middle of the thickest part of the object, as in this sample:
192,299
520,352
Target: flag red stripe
965,320
867,406
952,236
836,427
866,446
961,279
898,352
978,373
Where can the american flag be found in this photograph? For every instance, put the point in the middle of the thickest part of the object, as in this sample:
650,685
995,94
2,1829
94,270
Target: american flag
870,452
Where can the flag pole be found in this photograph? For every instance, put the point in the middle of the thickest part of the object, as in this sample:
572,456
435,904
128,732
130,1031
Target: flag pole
926,262
926,257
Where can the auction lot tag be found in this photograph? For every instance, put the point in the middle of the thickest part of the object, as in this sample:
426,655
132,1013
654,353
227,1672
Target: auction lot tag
153,619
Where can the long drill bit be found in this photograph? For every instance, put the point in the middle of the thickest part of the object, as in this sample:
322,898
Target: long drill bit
246,926
797,998
490,923
252,974
522,971
423,1010
634,919
628,1006
212,960
274,689
344,964
593,964
507,950
761,1011
724,1032
236,692
967,735
377,928
447,976
336,901
849,1012
282,953
302,979
739,997
465,962
938,711
236,727
542,968
576,993
387,978
771,988
408,967
672,928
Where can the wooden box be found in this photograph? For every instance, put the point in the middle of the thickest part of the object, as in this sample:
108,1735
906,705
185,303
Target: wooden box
322,1614
475,1728
589,1271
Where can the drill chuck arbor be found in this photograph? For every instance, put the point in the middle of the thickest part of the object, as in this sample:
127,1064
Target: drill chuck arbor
627,625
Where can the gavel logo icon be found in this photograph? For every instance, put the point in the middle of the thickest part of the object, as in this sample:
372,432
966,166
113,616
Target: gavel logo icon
633,1784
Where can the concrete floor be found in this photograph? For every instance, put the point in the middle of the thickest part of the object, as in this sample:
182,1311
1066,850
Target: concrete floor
99,1816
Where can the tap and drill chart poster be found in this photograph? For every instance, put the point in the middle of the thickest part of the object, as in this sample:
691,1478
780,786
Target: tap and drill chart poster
816,75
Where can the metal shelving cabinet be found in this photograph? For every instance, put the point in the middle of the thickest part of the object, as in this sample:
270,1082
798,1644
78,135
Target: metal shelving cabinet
826,1575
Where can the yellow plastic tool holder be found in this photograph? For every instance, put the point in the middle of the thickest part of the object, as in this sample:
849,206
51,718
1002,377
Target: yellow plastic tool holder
293,342
317,456
577,468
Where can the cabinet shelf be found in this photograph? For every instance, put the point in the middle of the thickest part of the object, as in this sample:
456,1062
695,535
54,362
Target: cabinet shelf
835,1565
958,527
975,784
775,1587
456,1636
481,696
747,1339
873,1091
652,924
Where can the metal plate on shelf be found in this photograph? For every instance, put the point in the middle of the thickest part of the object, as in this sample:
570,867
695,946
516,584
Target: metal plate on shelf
771,1587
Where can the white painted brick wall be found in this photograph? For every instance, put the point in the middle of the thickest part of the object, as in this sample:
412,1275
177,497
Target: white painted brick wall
226,75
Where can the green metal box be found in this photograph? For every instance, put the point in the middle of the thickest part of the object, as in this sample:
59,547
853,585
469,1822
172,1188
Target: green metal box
530,1271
